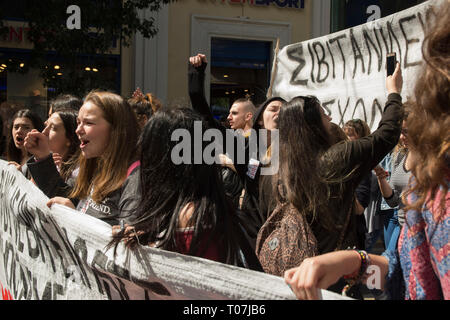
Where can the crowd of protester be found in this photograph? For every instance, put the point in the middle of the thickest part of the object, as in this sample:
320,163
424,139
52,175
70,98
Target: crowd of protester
314,222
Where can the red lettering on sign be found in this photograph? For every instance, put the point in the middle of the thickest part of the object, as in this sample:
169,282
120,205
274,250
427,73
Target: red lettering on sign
6,295
14,33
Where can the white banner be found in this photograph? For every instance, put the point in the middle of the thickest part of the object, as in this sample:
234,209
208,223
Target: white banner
346,70
59,253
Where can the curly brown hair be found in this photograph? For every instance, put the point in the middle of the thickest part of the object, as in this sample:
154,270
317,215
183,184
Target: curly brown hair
429,120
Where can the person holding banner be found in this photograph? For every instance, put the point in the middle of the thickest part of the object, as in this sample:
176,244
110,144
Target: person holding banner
418,268
316,183
183,207
107,185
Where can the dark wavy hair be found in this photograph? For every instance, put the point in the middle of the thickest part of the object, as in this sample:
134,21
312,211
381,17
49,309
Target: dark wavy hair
12,152
69,119
429,118
361,128
65,101
303,139
167,188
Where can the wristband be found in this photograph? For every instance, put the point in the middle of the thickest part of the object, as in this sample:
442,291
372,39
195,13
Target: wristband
359,274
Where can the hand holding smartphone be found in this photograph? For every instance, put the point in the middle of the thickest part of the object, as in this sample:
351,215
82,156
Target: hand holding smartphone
391,62
394,80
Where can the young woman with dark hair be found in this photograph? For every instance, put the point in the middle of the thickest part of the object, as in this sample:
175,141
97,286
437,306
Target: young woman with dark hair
58,153
64,101
22,122
105,188
316,182
418,268
183,207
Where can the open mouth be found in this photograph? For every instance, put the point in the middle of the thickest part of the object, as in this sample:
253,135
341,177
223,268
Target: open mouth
83,143
20,139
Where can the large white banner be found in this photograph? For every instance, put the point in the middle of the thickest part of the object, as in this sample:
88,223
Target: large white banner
59,253
347,70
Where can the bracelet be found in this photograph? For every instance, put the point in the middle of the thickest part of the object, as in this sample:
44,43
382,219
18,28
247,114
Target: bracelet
359,274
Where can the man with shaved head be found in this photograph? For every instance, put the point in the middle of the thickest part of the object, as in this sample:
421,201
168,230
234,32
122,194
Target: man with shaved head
241,114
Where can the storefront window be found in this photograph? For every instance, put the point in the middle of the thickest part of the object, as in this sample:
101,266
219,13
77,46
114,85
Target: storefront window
239,68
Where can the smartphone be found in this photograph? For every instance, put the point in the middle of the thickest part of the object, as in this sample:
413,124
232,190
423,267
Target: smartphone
391,61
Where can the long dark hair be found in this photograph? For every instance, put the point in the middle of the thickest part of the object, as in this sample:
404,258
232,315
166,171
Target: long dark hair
12,152
167,188
69,119
303,139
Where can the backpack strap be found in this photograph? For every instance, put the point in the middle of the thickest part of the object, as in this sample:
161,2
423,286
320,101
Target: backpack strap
133,166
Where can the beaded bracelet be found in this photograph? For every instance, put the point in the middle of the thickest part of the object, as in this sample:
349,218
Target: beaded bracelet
358,275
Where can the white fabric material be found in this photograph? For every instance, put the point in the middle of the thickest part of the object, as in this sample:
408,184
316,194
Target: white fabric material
59,253
346,70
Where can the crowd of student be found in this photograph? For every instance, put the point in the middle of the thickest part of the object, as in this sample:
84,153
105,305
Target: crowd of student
314,222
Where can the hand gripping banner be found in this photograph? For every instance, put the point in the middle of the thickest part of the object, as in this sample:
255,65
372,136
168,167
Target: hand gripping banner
59,253
347,70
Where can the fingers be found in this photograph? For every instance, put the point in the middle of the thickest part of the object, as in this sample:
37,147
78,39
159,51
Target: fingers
60,200
115,230
397,70
30,141
310,286
36,143
57,159
50,202
295,279
18,166
202,57
198,60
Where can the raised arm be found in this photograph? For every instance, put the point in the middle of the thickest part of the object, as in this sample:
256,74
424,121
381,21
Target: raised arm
196,84
363,154
43,168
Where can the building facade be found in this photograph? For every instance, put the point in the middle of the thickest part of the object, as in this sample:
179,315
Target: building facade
239,38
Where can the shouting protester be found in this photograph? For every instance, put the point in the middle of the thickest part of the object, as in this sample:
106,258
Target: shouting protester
105,188
317,181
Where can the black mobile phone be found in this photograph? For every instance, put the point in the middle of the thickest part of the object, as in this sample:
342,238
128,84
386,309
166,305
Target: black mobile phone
391,61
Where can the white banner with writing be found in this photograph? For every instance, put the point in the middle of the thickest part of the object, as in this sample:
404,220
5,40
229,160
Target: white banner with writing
346,70
59,253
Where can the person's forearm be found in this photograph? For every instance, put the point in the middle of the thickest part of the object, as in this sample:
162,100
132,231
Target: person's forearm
385,188
359,208
377,272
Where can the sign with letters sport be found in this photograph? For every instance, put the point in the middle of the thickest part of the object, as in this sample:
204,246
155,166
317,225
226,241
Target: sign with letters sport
347,70
59,253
